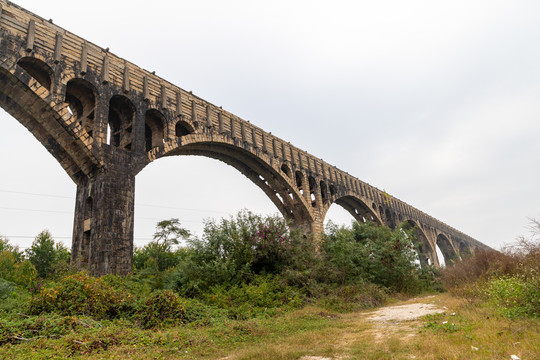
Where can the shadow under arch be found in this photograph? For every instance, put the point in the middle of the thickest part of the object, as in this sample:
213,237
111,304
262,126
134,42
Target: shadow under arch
81,99
359,210
425,250
446,248
37,69
277,186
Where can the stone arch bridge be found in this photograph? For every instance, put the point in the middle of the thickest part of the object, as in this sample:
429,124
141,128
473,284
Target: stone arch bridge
104,119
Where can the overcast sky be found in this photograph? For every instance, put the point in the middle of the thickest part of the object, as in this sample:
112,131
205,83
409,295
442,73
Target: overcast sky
438,103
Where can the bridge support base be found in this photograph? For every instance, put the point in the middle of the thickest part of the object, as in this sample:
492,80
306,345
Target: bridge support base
103,225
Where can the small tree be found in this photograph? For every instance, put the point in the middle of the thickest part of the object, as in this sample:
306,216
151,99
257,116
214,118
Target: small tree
13,250
45,255
158,253
42,253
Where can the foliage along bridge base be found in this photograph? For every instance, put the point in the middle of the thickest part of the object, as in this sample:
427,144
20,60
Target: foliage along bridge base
104,119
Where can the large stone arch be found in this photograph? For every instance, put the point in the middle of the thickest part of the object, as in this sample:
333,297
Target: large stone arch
357,207
26,99
268,175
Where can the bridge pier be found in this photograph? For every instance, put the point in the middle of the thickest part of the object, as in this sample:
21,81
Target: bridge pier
103,224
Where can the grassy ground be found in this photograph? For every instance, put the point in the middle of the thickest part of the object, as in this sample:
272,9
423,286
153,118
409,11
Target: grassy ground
475,331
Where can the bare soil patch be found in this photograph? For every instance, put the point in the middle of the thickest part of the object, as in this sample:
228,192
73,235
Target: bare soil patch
399,319
401,313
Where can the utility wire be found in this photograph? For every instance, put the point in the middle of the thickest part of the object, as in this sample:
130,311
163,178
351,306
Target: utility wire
37,210
145,205
57,237
36,194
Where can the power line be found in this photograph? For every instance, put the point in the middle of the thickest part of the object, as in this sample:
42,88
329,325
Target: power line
186,209
36,194
145,205
36,210
57,237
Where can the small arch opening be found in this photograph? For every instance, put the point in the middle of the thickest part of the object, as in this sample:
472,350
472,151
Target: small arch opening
298,177
120,126
81,100
332,190
464,250
182,128
88,208
154,134
324,191
286,169
390,218
312,188
37,69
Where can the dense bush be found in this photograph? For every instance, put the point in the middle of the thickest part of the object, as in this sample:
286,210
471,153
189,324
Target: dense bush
15,270
81,294
509,279
351,297
515,296
13,250
373,253
6,288
236,250
162,308
483,265
262,296
242,267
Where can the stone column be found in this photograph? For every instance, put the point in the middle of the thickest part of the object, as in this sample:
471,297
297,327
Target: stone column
103,225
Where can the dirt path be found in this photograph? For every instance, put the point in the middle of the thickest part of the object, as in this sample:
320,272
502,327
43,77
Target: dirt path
401,320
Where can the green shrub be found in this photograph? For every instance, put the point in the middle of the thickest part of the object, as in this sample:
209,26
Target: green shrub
15,327
6,288
81,294
14,250
162,308
351,297
265,295
374,253
196,311
515,296
234,251
19,272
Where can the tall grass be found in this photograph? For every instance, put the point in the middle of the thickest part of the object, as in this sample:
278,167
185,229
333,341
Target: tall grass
509,279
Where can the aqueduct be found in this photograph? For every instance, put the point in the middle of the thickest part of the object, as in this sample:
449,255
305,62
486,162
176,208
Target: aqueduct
104,119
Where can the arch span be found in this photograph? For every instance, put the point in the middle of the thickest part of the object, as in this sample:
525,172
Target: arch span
28,101
268,175
357,207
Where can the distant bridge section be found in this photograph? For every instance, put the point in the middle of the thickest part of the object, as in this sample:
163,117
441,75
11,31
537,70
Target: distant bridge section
104,119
